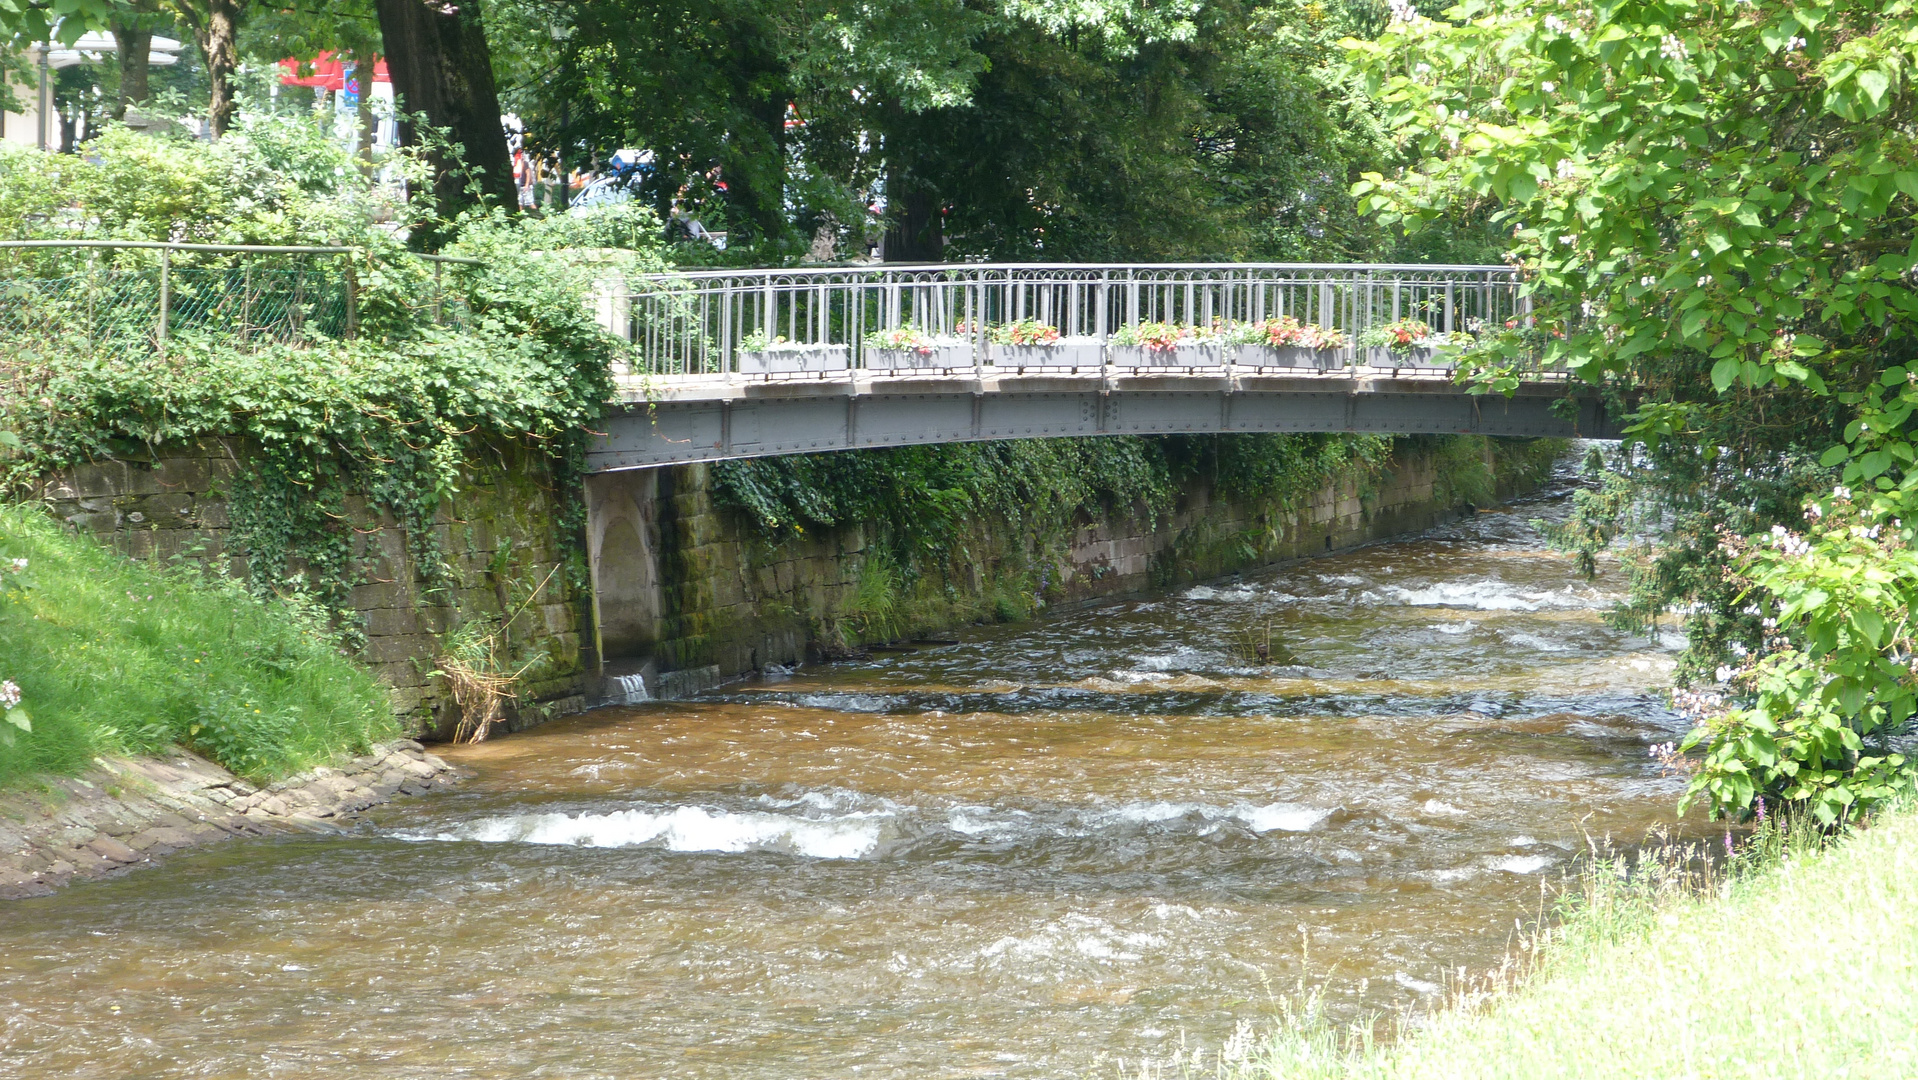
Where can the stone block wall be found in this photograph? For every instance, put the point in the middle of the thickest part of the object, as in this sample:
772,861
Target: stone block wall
683,590
684,585
498,535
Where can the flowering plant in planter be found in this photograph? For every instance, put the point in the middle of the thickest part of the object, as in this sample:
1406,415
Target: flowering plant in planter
907,338
759,341
764,354
1160,336
1400,337
1280,333
1322,337
1023,332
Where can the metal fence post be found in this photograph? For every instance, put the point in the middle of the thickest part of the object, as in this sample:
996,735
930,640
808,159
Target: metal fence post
166,288
352,300
438,303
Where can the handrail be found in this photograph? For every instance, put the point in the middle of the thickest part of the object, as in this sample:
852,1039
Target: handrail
701,321
963,267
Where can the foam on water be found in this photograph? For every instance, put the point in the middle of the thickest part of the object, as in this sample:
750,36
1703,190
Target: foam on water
684,828
1522,864
1182,658
1234,593
1075,936
1486,594
1272,817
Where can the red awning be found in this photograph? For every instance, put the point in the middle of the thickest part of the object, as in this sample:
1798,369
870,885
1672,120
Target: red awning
324,72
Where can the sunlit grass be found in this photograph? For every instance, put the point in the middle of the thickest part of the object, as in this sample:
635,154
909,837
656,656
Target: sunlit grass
115,657
1801,962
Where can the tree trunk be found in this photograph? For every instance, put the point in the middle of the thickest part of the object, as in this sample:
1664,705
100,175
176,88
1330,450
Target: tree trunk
442,68
915,226
365,124
219,40
755,172
134,46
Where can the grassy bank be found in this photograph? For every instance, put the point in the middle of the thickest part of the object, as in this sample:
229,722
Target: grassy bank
1805,967
116,657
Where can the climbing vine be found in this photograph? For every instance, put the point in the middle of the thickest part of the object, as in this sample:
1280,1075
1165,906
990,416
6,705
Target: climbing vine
921,499
337,430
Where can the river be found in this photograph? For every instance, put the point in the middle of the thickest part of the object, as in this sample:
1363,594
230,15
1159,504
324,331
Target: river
1044,851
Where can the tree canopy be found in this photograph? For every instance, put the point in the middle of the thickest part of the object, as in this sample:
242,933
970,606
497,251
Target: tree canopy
1714,202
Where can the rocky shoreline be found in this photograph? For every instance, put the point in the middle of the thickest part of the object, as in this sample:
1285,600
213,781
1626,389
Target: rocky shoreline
127,813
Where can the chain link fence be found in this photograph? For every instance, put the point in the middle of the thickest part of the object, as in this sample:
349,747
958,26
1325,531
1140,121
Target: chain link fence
129,297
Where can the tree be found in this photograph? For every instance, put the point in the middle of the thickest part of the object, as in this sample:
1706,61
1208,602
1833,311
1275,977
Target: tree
348,30
1715,203
215,25
441,68
51,20
132,26
1006,129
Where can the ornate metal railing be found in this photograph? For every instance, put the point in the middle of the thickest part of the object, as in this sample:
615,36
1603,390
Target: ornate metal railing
701,323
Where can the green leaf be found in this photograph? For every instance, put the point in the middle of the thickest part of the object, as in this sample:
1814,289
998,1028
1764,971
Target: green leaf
1874,83
1724,373
18,718
1870,625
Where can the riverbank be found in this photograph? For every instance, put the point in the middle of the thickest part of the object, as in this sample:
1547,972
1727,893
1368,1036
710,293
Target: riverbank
128,812
114,657
1806,967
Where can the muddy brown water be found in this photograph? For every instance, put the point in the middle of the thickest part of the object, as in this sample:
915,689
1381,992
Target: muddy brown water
1042,852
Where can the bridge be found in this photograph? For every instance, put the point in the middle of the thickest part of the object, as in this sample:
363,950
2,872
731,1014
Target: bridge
751,363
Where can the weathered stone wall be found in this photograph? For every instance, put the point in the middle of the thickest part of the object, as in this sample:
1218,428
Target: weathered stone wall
687,594
498,535
684,591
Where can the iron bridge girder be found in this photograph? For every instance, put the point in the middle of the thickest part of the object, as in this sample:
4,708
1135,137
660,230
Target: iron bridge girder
726,421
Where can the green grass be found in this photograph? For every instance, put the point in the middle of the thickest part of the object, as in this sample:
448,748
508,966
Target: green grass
1806,966
117,657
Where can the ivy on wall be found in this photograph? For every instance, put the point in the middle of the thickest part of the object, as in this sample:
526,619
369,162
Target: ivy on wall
505,352
921,499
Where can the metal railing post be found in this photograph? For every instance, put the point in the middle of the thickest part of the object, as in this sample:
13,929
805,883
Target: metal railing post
352,300
166,289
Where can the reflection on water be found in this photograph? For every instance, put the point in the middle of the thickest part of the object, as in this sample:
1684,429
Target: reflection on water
1030,854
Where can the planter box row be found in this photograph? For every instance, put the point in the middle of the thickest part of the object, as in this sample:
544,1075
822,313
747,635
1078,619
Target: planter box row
1084,353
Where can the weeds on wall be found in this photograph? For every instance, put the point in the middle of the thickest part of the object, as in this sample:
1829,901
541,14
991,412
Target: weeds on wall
922,499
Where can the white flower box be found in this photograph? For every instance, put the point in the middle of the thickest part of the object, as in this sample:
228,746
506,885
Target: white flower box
1072,352
1188,354
1290,356
788,359
1425,357
938,355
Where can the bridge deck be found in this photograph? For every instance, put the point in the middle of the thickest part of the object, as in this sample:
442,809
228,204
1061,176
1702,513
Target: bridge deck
680,419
